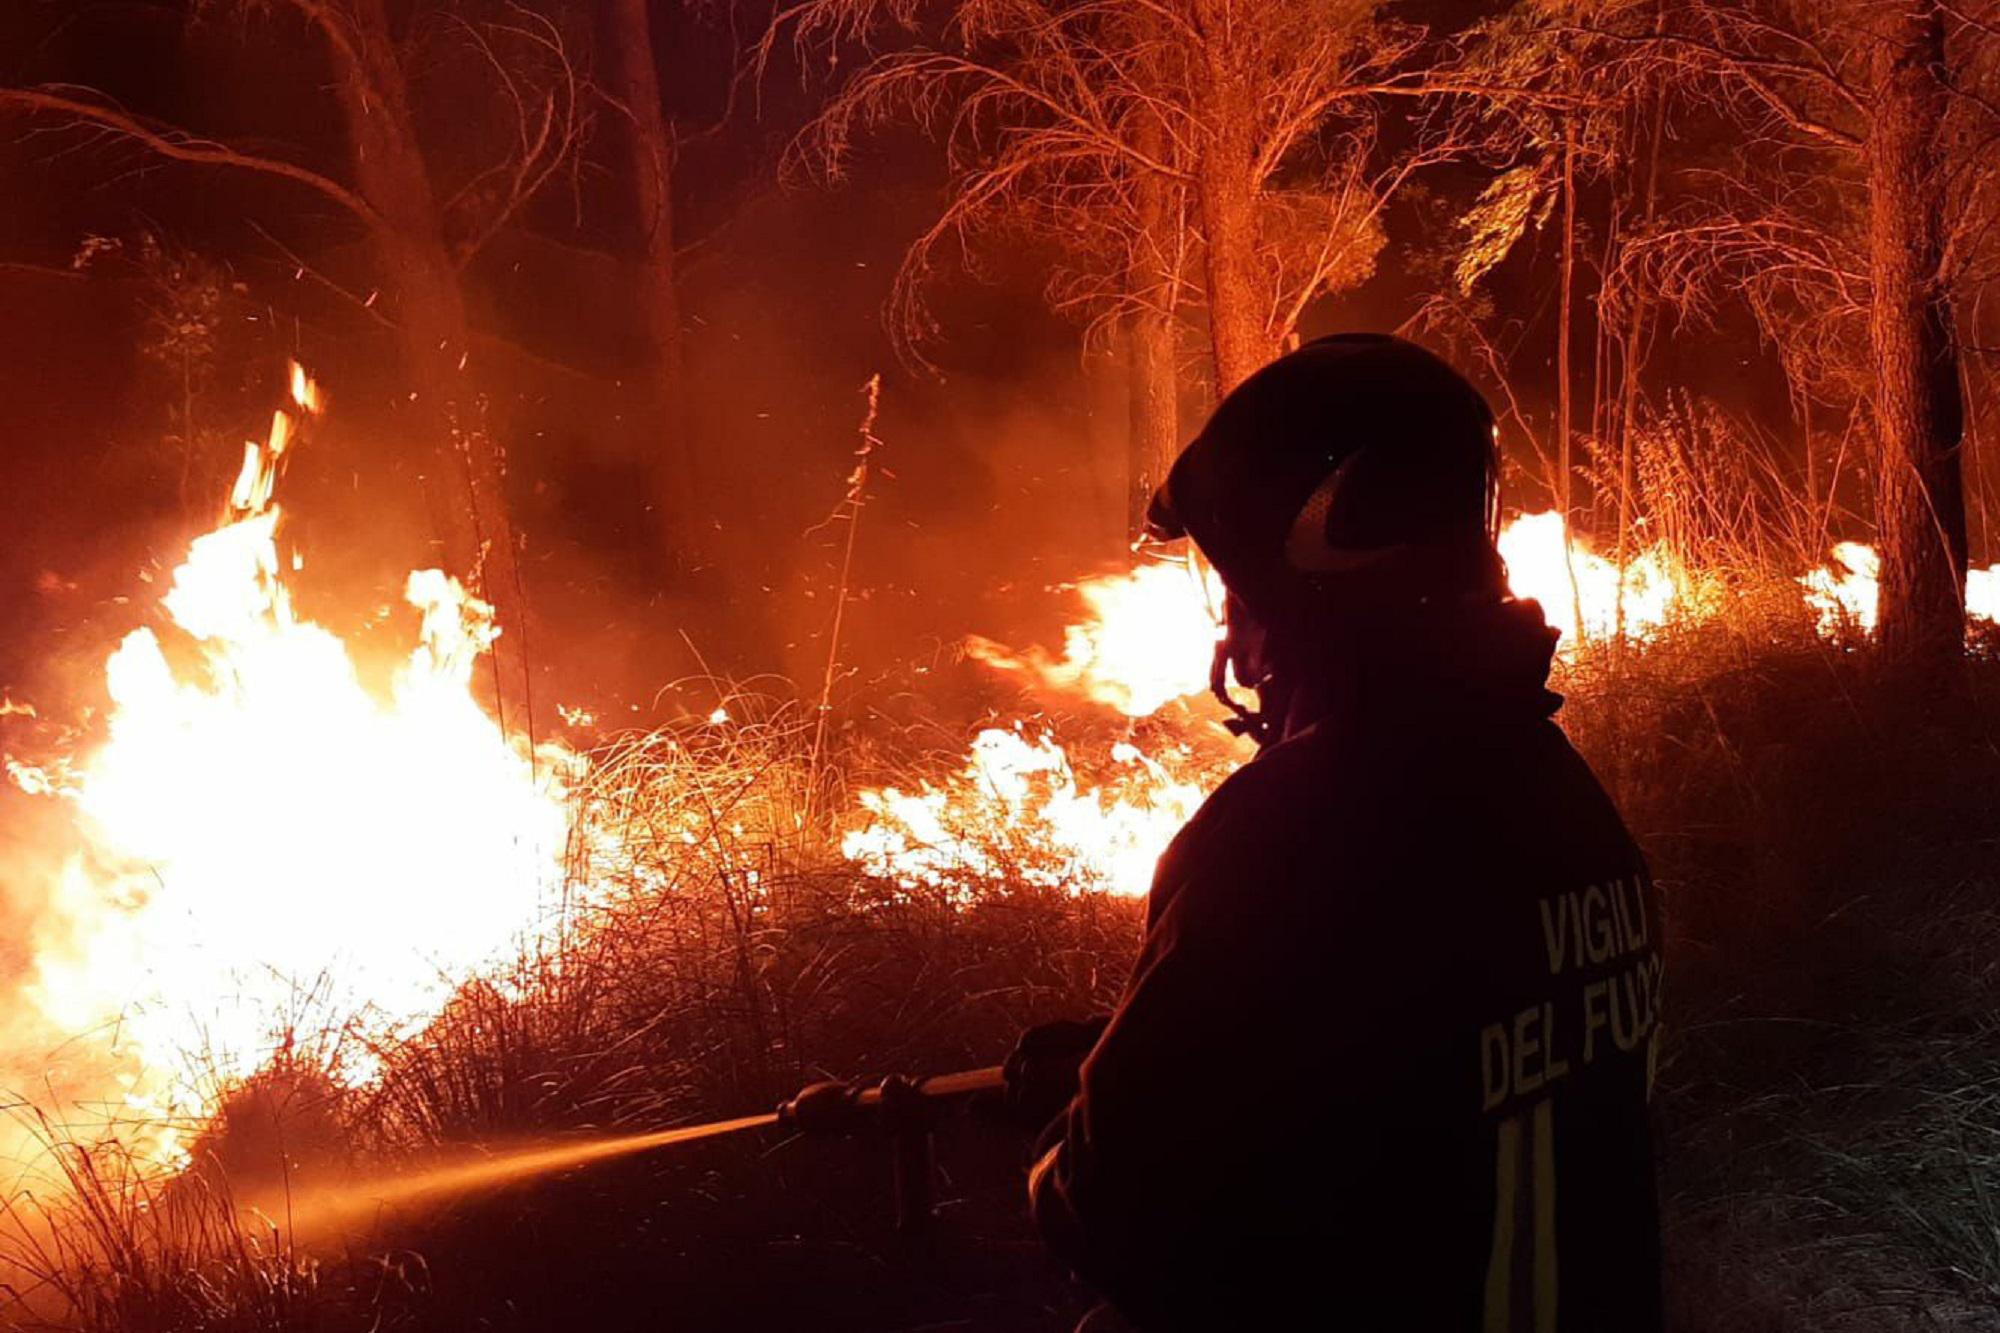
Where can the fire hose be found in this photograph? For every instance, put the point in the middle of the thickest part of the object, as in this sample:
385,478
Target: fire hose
905,1110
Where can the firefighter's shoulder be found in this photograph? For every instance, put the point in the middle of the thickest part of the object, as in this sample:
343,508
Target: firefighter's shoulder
1278,811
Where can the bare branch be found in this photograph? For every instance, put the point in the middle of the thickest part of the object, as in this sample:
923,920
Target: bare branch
550,125
181,146
1761,75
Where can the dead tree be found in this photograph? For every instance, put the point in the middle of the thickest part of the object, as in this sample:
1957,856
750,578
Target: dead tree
1920,498
1855,217
421,236
1217,152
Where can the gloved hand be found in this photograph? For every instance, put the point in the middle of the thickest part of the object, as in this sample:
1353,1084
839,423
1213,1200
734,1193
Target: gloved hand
1042,1070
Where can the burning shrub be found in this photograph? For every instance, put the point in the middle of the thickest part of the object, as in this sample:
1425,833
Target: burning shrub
718,948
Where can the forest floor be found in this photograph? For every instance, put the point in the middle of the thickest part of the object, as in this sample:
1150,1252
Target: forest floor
1829,843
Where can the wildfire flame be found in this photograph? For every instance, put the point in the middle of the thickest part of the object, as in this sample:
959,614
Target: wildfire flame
1844,593
1569,581
1982,593
1017,810
258,828
1142,646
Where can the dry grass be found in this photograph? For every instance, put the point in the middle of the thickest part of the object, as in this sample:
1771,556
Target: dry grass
715,953
1830,848
1828,842
718,951
110,1246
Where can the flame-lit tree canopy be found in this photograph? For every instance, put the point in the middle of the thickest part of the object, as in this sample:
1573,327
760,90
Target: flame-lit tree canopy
1221,163
429,187
466,682
1835,181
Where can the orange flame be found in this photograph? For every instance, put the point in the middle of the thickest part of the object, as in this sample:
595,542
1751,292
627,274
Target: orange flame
1844,593
1982,593
257,826
1545,564
1017,808
1018,812
1147,640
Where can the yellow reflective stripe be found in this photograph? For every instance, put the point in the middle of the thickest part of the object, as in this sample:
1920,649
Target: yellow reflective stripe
1500,1264
1545,1217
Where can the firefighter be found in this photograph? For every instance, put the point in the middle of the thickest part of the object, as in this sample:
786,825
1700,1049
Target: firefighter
1386,1057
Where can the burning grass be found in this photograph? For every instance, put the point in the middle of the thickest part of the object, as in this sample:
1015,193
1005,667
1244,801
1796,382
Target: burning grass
1813,826
751,898
719,949
256,805
715,950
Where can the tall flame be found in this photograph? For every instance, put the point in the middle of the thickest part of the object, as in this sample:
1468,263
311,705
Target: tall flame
1546,564
258,826
1844,593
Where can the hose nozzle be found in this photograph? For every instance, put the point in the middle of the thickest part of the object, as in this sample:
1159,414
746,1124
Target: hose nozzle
831,1107
897,1104
903,1110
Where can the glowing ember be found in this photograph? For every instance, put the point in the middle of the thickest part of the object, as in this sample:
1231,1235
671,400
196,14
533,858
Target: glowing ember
1018,813
1147,642
258,827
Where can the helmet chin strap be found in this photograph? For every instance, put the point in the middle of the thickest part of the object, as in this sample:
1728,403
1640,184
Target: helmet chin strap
1255,723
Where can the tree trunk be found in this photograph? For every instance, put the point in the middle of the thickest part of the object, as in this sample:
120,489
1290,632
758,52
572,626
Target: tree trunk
1565,462
1919,412
465,489
637,81
1240,342
1226,177
1154,434
1154,420
1632,341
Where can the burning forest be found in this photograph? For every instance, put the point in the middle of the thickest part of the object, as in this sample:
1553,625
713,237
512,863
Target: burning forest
641,637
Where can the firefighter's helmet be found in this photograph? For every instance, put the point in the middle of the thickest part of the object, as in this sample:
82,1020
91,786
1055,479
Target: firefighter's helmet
1358,461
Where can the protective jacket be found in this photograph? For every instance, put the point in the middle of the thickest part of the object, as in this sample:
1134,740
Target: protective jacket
1386,1058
